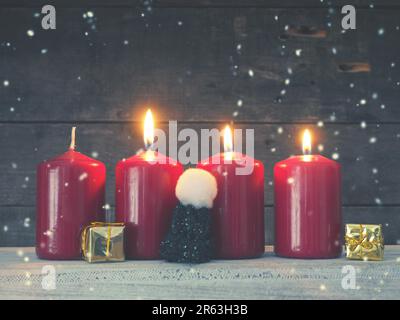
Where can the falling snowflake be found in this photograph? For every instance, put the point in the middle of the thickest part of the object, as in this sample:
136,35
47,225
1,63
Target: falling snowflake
83,176
298,52
280,130
95,154
251,73
43,51
363,101
320,124
239,103
30,33
48,233
372,140
6,83
363,124
335,156
27,222
381,31
235,113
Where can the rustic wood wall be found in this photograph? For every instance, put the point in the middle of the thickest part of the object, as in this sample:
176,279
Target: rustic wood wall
275,66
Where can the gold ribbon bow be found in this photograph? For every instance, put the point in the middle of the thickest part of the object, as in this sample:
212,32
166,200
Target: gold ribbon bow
109,225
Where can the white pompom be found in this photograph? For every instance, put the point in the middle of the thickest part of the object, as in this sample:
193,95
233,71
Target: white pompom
196,187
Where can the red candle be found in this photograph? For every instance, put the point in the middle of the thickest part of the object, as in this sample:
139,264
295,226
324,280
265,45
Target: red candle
238,211
307,206
70,195
145,197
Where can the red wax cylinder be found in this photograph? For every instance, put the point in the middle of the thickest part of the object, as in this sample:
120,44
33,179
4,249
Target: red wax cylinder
238,211
70,195
145,199
307,207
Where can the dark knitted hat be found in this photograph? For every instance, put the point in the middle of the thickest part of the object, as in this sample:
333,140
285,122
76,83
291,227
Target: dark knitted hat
189,238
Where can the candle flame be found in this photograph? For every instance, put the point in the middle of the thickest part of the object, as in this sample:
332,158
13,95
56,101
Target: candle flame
148,130
228,143
306,142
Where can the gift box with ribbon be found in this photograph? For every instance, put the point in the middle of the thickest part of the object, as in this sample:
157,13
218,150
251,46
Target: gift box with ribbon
103,242
364,242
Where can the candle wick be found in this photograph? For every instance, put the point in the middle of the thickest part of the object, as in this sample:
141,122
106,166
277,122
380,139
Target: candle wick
149,146
73,145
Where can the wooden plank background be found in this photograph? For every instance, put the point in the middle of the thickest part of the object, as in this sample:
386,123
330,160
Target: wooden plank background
191,61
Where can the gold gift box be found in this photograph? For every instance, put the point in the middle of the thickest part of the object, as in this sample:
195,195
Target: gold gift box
364,242
103,242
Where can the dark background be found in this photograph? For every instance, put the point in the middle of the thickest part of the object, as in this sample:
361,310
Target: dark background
182,59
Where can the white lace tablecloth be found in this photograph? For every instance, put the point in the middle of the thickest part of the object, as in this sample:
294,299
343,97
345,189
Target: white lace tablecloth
268,277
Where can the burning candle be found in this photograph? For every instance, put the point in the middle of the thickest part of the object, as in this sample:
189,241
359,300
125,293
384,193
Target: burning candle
307,205
238,211
70,195
145,197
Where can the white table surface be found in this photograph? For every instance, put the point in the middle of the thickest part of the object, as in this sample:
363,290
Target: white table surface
268,277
